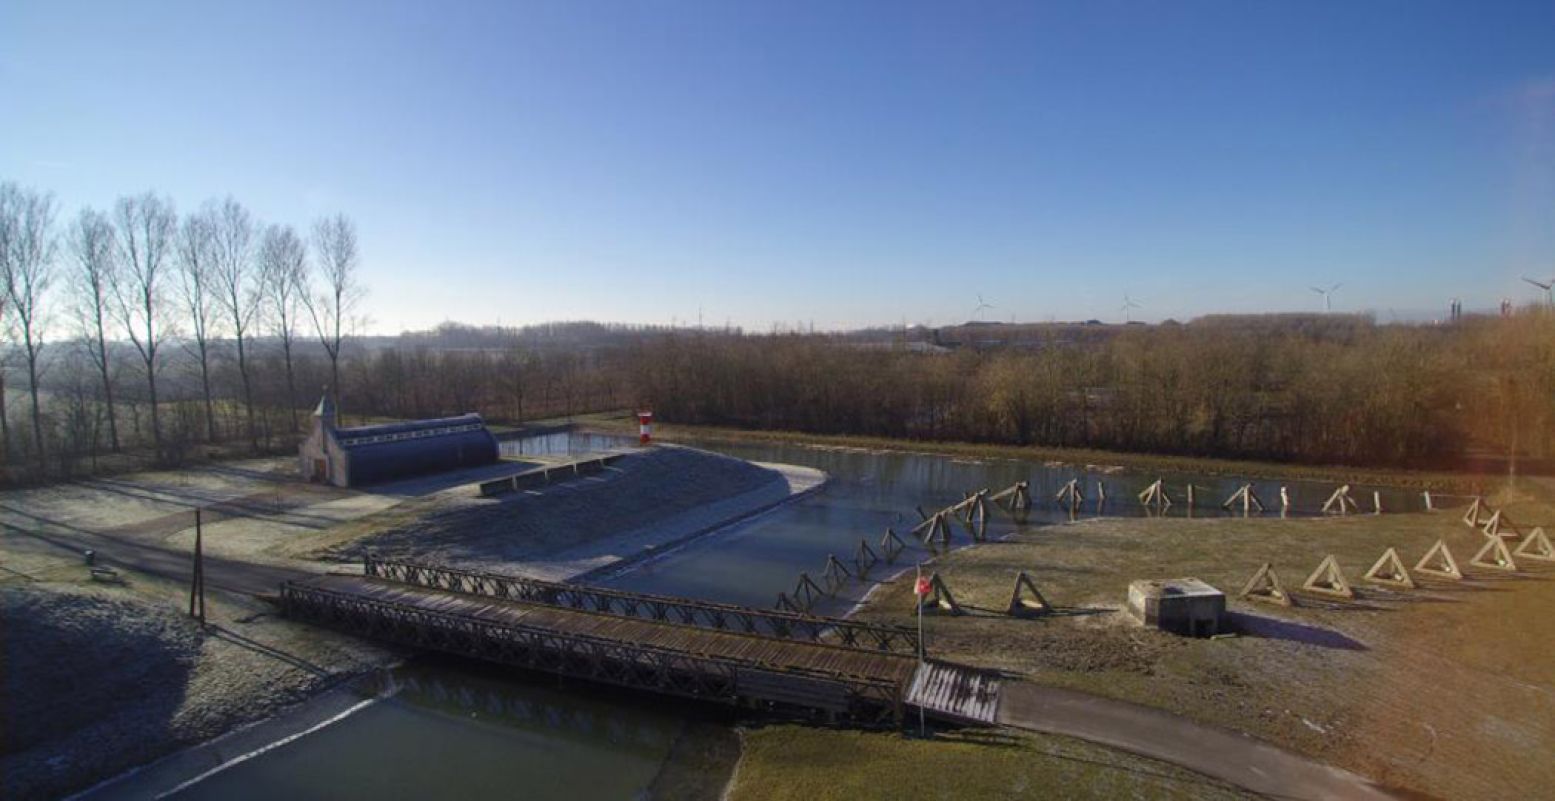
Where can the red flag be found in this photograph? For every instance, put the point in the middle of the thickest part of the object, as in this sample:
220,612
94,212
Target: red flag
922,587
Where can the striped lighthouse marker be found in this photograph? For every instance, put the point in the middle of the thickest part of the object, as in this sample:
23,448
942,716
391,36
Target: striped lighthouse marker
644,427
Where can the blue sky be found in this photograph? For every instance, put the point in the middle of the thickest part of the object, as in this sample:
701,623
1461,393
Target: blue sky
845,163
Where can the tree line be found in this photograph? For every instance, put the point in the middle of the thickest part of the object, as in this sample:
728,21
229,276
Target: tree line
114,289
140,331
1412,396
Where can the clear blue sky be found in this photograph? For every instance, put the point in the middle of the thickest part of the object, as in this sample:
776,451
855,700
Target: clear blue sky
842,162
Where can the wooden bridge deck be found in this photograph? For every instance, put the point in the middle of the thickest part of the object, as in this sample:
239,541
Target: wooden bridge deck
843,669
754,650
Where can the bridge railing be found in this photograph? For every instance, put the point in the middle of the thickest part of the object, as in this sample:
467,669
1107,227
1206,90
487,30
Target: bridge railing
665,670
661,608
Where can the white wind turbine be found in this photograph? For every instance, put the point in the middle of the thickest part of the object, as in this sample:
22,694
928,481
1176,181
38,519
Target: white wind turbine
1128,306
1547,286
1328,296
979,307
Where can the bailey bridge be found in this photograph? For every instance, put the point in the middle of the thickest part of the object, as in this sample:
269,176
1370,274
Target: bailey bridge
843,670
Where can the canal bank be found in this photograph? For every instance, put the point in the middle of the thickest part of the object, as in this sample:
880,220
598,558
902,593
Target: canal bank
748,564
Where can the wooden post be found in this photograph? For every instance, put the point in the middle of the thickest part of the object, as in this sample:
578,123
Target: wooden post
1376,502
197,581
1428,506
1284,499
1190,496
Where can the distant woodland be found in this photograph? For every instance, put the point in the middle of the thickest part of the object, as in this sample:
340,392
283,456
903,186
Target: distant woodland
140,335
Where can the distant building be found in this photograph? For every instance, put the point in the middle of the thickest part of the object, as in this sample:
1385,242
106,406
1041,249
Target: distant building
352,457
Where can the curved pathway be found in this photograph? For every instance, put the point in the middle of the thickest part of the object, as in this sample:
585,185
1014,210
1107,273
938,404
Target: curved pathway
1233,758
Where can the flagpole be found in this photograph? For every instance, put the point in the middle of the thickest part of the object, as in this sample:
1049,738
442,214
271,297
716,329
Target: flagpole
922,660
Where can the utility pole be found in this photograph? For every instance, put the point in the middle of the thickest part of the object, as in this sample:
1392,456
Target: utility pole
197,582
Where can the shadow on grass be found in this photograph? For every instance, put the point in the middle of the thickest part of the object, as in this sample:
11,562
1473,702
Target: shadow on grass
1269,628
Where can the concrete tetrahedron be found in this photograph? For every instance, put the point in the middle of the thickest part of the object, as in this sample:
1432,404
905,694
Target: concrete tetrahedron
1536,546
1328,579
1027,600
939,597
1494,555
1439,562
1389,571
1265,586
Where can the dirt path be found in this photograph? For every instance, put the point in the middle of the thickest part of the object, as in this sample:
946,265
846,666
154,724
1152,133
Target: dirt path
1230,757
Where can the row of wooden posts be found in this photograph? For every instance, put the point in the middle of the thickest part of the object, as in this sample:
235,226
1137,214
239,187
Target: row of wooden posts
1389,571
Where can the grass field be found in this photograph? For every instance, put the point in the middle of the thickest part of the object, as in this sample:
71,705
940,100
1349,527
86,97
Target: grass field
1447,690
809,764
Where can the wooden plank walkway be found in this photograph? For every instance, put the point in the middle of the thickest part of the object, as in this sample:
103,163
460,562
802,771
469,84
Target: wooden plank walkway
955,692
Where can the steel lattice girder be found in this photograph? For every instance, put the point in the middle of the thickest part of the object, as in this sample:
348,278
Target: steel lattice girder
782,625
606,661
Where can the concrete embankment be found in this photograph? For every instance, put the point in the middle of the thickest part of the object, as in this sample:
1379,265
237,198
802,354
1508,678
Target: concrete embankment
634,507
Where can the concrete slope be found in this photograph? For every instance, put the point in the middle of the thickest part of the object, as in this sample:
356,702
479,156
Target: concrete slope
1233,758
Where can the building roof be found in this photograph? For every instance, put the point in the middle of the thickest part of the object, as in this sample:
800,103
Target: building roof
362,436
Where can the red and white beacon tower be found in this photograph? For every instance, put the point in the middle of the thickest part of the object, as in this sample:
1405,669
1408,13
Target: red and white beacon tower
644,427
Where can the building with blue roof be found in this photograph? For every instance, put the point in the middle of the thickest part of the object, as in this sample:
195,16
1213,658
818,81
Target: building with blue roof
353,457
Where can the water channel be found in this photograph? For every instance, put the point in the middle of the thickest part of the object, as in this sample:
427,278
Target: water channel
466,731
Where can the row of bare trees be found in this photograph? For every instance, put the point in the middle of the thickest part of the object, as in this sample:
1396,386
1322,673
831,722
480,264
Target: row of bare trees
1395,395
130,282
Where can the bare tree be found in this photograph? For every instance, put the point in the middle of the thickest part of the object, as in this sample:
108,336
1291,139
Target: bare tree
283,265
238,289
27,260
196,246
145,227
91,242
334,242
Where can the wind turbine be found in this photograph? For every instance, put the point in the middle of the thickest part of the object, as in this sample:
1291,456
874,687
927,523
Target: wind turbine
1328,299
980,306
1547,286
1127,307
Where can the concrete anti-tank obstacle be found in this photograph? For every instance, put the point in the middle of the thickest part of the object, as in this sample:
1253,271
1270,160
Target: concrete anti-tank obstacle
1070,494
1154,496
939,597
1329,580
1471,515
1438,562
1265,587
1536,546
1389,571
1014,498
1027,600
891,545
1499,525
806,592
1342,500
836,576
1494,555
1249,500
863,559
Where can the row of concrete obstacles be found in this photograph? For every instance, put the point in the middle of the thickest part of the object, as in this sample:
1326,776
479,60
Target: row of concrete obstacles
1025,599
1389,571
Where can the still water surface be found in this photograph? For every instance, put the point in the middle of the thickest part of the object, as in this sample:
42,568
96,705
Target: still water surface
470,732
